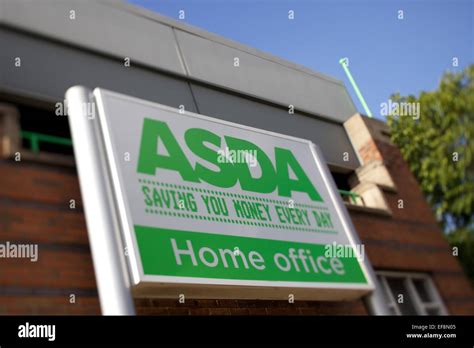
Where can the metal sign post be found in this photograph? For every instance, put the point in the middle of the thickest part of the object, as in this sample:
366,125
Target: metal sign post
102,225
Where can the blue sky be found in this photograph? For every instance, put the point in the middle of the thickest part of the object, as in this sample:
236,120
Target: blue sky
386,54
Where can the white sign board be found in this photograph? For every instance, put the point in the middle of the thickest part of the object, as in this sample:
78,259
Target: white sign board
220,210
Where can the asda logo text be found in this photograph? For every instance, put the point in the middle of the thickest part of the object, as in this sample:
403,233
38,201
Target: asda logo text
280,171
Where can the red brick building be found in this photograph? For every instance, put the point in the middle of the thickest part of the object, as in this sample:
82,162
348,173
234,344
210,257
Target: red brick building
40,199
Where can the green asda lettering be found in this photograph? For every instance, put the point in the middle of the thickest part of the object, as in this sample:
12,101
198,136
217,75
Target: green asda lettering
273,177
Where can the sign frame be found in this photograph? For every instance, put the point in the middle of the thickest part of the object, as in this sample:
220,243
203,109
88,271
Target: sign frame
171,286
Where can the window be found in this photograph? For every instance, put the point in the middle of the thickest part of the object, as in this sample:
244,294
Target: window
411,294
43,131
35,132
341,180
344,188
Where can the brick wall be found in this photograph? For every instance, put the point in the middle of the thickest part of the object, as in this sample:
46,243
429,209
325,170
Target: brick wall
409,240
34,208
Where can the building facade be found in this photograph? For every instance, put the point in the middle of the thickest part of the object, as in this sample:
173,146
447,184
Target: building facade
113,45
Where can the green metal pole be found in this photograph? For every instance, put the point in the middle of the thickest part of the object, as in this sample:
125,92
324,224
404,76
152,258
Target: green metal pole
354,85
34,139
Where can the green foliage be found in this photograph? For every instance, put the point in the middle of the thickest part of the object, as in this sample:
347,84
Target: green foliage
463,240
439,147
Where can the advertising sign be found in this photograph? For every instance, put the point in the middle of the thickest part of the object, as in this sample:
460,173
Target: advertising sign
223,210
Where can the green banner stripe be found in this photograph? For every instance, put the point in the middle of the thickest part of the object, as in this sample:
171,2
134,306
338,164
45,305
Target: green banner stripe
205,255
